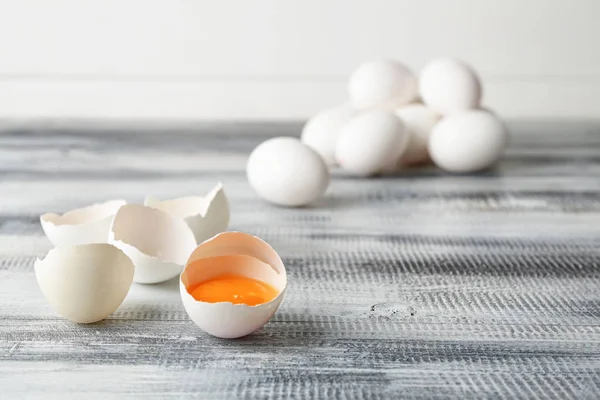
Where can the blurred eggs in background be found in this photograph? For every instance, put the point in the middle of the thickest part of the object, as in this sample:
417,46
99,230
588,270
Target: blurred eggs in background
370,142
321,132
468,142
449,86
419,120
382,84
393,121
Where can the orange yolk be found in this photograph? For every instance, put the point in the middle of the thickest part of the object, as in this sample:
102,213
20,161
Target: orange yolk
234,289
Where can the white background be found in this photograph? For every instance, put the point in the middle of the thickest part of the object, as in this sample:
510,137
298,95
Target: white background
280,59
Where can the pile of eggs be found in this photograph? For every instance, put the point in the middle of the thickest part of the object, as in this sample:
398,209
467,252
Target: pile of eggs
393,121
103,248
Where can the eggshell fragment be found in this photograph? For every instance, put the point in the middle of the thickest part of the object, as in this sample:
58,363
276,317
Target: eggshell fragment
449,86
468,142
419,120
371,142
85,283
321,132
232,253
286,172
81,226
157,243
205,215
382,84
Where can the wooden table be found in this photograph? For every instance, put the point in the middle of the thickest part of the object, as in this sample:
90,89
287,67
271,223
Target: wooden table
424,285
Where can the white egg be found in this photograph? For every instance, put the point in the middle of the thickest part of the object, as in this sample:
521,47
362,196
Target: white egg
85,283
157,243
382,84
371,142
419,120
286,172
321,131
205,215
233,253
81,226
449,86
467,142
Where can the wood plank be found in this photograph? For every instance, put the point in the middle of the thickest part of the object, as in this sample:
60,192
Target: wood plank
425,285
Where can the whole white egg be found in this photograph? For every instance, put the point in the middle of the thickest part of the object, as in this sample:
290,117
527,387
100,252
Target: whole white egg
382,84
321,131
370,142
468,142
286,172
419,120
449,86
205,215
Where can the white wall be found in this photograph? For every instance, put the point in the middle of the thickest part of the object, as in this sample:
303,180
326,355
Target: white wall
277,59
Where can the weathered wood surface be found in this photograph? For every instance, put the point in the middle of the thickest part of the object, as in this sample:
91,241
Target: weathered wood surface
426,285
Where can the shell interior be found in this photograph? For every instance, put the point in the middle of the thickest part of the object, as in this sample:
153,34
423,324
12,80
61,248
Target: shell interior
92,213
238,243
153,233
187,206
205,215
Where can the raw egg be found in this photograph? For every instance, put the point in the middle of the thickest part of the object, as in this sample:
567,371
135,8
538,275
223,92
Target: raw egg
235,289
232,284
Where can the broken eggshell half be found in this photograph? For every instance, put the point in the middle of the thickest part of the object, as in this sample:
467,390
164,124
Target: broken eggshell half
81,226
157,243
85,283
205,215
239,254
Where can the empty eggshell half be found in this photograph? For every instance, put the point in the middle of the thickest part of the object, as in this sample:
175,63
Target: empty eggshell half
205,215
232,253
81,226
85,283
157,243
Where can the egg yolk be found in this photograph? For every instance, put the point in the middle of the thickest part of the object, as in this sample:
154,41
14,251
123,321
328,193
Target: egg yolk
234,289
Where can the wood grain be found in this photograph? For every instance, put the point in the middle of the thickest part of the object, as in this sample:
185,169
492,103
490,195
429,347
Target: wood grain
425,285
